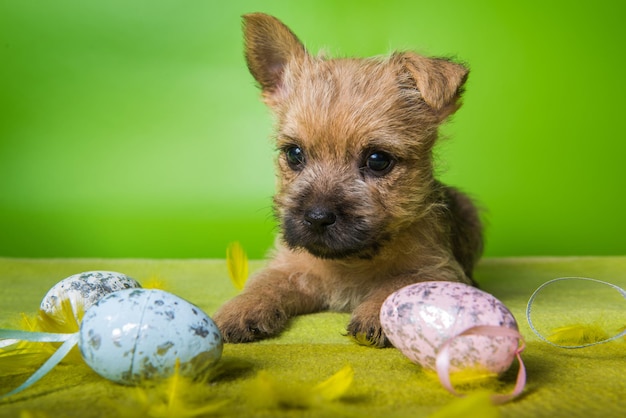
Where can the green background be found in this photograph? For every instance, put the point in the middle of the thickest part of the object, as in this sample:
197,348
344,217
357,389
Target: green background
133,129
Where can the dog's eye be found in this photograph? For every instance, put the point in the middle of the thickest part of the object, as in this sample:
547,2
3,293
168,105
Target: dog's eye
295,157
379,163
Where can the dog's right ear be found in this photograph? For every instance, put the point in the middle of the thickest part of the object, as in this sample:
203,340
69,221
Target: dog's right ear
439,81
269,46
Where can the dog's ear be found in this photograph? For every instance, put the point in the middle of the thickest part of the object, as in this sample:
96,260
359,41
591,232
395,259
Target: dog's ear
269,46
439,81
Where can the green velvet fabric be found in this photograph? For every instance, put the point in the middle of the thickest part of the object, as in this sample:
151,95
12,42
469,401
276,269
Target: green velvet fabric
586,382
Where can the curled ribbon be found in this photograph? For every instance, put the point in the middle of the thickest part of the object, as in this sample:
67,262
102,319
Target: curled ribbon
443,360
68,340
536,292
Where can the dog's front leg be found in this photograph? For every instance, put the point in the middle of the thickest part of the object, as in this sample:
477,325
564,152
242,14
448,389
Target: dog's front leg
263,309
364,324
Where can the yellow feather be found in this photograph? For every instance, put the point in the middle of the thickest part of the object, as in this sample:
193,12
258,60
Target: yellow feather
65,320
469,378
335,386
28,323
477,404
578,334
361,339
174,397
155,282
25,356
268,392
622,329
22,357
33,414
263,391
473,376
237,263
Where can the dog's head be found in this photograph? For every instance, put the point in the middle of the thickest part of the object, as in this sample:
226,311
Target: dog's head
355,138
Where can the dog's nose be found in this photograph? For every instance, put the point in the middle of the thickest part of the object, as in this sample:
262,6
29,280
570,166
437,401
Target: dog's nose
318,218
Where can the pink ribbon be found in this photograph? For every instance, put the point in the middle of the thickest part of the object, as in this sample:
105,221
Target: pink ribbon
443,360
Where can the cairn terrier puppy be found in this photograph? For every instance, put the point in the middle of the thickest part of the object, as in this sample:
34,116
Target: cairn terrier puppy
361,214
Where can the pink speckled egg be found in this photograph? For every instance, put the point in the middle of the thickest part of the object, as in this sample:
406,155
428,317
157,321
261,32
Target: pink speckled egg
421,317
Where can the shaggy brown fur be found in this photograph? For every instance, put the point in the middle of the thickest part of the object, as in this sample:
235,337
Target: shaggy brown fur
361,213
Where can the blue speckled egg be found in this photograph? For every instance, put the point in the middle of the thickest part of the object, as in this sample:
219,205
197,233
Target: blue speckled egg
85,289
138,334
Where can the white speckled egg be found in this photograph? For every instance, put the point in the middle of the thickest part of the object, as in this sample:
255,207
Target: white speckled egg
137,334
85,289
419,318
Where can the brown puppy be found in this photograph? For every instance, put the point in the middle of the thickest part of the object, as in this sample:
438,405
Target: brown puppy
360,211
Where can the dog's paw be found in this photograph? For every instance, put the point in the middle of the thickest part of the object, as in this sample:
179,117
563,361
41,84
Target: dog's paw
244,320
365,328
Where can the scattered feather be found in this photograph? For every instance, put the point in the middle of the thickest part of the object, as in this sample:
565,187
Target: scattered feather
174,397
478,404
269,392
155,282
578,334
237,263
622,330
65,320
361,339
471,378
23,356
335,386
33,414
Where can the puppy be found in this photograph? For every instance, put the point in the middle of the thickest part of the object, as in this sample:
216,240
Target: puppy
360,212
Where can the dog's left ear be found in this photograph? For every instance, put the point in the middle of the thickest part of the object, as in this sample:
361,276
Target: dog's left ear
439,81
269,47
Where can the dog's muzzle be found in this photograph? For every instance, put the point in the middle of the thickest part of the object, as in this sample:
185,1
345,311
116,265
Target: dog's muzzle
328,233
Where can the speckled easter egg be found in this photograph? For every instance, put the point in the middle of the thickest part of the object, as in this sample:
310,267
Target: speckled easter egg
421,317
85,289
138,334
